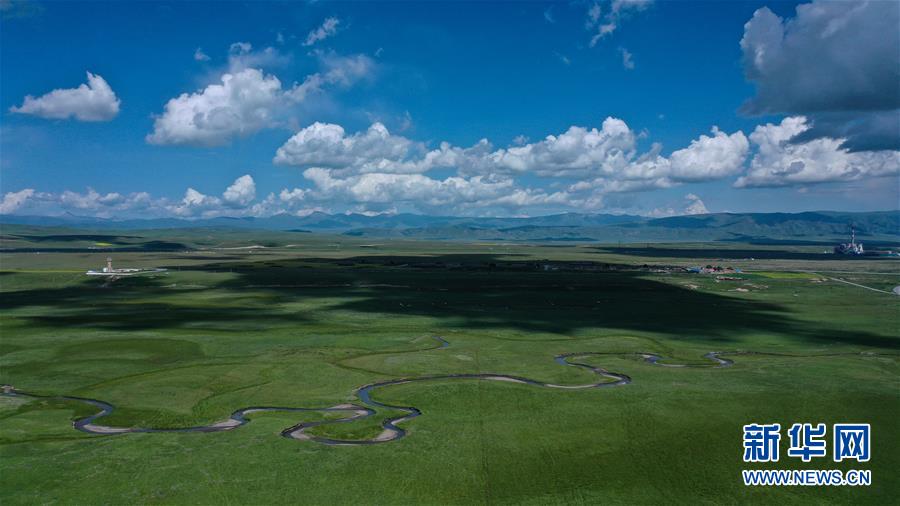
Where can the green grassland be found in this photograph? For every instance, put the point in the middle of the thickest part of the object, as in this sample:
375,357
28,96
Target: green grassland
303,319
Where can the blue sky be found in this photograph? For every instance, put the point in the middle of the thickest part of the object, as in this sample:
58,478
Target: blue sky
454,73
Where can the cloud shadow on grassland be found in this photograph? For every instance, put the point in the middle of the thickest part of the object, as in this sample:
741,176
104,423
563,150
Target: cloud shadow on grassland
489,292
467,291
133,304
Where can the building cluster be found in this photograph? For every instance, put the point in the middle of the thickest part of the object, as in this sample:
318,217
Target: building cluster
713,269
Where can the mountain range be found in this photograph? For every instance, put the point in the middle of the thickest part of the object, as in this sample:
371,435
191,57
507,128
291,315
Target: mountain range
811,227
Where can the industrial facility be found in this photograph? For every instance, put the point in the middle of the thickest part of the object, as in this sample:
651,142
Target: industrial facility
112,273
850,248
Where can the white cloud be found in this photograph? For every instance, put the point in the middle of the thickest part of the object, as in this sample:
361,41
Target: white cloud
327,29
292,196
780,162
327,145
375,168
694,205
90,203
89,200
247,100
241,192
582,169
235,201
194,203
616,11
627,61
709,158
15,200
378,191
576,152
107,205
244,103
604,158
93,101
609,156
199,55
834,62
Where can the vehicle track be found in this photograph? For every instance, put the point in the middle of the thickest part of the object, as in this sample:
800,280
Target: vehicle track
390,430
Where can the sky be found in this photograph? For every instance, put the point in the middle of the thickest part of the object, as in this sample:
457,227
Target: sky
194,109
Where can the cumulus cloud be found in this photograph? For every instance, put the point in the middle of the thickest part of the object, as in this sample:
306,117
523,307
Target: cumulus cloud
247,99
194,203
328,145
375,167
838,63
606,157
694,205
93,101
235,201
104,205
242,104
15,200
457,194
616,10
576,152
610,155
365,193
708,158
582,169
327,29
780,162
241,192
238,199
90,200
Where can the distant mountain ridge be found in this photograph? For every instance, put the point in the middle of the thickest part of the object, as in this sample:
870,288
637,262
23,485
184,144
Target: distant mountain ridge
883,226
320,221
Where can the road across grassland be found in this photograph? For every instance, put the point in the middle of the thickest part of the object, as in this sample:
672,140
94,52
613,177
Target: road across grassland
857,284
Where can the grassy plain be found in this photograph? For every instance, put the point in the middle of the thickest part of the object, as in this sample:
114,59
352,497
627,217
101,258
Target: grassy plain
304,319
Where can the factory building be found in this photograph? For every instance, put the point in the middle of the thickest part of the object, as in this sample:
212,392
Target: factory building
850,248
